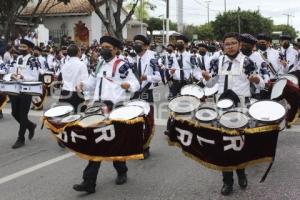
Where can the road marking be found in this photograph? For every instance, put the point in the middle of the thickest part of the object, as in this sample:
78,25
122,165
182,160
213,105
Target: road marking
34,168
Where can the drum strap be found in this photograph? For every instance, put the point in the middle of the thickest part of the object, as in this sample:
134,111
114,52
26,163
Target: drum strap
267,172
116,63
98,67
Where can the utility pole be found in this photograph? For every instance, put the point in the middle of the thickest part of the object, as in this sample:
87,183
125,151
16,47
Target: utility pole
288,18
141,15
180,16
225,5
167,21
208,2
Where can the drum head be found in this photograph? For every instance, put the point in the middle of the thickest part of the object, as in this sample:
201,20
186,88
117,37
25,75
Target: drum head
206,114
126,113
141,103
267,111
225,103
211,91
92,110
291,78
91,120
31,83
58,111
193,90
234,120
278,88
71,118
184,104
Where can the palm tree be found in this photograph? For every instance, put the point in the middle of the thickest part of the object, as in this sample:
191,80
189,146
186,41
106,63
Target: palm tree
142,10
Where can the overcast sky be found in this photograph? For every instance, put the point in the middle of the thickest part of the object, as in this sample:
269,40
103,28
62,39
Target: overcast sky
195,11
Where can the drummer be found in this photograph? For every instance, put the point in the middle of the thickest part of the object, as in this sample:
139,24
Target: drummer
147,71
233,81
26,68
111,84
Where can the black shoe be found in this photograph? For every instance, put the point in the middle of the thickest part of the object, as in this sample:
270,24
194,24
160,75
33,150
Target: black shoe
146,154
85,187
226,189
18,144
121,179
31,131
243,182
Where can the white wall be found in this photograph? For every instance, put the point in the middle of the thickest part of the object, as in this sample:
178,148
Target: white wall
97,30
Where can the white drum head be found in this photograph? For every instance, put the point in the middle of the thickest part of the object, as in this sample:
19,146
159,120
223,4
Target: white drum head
211,91
233,120
92,110
141,103
225,104
291,78
267,111
71,118
184,104
206,114
31,83
278,88
91,120
193,90
126,113
58,111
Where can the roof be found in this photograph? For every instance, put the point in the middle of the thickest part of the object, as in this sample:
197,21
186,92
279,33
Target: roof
53,8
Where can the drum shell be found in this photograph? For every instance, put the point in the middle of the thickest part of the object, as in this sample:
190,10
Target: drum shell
35,89
10,88
48,78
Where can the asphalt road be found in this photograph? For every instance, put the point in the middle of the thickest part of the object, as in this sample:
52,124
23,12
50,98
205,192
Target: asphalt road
43,171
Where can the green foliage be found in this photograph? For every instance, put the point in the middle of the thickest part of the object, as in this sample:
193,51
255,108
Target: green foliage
250,22
285,29
141,11
157,24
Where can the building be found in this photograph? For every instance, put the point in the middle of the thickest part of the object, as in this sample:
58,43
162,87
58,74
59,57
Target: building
76,19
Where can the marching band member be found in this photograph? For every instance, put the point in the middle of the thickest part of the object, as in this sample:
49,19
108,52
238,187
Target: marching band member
73,72
248,43
112,82
234,72
269,54
203,57
26,69
289,56
147,71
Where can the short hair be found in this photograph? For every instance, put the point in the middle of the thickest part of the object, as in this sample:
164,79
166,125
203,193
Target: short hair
232,35
73,50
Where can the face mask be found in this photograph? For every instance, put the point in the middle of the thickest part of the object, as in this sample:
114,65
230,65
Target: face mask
246,51
138,48
202,53
106,54
286,45
169,50
180,47
23,52
132,54
36,55
262,47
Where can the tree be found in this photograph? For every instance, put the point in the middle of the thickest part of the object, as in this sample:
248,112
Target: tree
112,18
142,11
250,22
285,29
205,32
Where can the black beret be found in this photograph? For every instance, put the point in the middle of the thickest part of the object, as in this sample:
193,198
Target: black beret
27,42
202,45
111,40
171,45
248,38
182,37
285,37
263,36
37,48
142,38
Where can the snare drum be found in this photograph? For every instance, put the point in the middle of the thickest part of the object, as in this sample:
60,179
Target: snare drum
126,113
278,88
57,113
70,119
48,78
10,87
207,115
225,104
31,88
91,121
267,111
291,78
141,103
93,110
184,104
234,120
192,90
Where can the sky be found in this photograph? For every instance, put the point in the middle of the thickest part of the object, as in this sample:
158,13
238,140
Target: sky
195,11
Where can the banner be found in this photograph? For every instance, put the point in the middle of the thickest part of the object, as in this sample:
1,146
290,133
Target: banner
113,140
223,149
